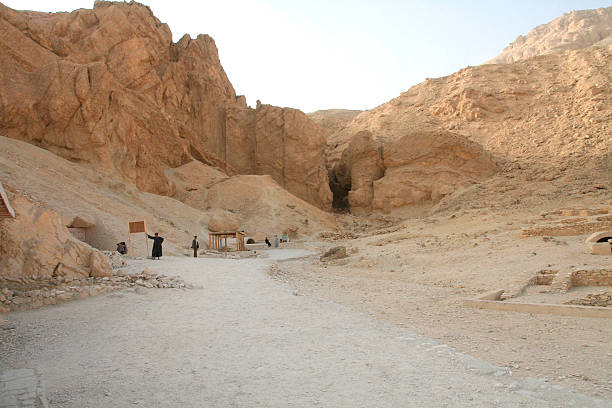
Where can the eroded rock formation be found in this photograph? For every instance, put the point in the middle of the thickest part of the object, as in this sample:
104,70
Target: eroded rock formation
548,116
108,87
419,168
36,244
423,167
352,178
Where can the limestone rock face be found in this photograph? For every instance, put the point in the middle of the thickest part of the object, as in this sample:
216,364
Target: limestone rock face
291,148
107,87
37,244
352,178
424,167
420,168
572,31
547,116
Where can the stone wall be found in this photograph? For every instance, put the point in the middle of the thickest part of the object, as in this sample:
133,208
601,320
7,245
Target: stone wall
597,277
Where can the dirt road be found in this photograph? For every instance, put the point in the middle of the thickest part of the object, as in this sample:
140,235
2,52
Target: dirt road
245,340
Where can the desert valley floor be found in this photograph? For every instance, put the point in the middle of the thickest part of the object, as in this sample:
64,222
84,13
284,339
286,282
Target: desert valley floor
243,339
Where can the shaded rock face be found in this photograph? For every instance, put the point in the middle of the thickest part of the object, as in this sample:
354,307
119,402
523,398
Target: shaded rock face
352,178
36,244
419,168
108,87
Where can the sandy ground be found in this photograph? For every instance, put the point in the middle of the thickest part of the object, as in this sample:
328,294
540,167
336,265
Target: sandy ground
418,275
246,340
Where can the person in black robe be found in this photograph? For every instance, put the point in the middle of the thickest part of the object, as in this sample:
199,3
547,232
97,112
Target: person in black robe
157,246
268,242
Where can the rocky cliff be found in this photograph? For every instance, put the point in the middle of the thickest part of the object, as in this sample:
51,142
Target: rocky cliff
572,31
543,118
108,87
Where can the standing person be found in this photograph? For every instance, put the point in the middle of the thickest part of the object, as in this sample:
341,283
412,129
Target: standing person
275,241
195,246
268,242
157,246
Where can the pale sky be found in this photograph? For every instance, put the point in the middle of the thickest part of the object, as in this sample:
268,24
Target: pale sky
316,54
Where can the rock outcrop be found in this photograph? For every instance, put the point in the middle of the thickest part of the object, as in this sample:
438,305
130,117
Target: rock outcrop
282,143
424,167
419,168
548,116
36,244
572,31
108,87
352,178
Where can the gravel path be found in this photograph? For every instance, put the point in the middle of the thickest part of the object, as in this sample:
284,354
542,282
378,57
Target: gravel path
246,340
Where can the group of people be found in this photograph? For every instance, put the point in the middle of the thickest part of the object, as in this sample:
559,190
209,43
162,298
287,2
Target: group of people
284,238
156,252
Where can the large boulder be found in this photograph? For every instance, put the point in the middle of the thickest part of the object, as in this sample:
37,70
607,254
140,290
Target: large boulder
423,167
419,168
36,244
223,221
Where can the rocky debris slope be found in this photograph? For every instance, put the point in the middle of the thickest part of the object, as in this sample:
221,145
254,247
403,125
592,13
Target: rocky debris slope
527,112
257,204
32,293
108,87
572,31
418,168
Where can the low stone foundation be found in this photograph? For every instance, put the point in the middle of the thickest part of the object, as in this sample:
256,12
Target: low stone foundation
597,277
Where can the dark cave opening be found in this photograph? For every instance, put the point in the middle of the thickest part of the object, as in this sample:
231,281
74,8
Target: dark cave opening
340,185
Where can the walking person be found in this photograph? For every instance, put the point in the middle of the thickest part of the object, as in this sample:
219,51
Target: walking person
275,241
195,246
157,246
268,242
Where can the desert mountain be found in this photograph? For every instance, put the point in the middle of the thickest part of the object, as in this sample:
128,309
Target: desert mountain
572,31
545,118
108,87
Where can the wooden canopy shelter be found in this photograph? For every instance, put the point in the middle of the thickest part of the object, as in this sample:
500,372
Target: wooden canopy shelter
6,211
218,240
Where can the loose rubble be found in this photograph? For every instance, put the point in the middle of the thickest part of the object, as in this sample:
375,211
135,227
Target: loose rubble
32,293
593,299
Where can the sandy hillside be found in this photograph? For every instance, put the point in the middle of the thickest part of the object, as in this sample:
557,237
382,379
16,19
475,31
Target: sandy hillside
75,189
